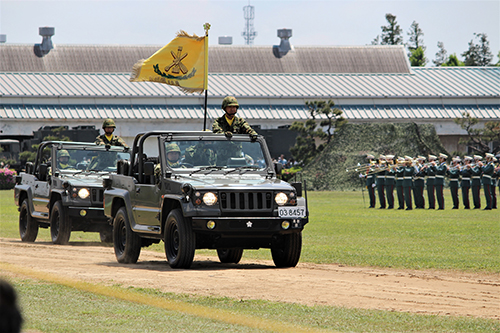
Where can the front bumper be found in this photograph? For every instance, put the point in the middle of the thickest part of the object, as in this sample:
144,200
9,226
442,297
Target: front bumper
248,225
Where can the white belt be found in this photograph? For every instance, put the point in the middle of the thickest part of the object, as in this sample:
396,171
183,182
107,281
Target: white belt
407,177
431,177
453,180
418,178
476,177
487,176
389,177
439,176
465,178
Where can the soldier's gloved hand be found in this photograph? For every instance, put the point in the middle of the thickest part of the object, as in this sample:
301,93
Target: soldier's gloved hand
253,137
228,134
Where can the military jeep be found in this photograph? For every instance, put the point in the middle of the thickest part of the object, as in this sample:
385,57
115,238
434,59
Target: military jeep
202,190
63,190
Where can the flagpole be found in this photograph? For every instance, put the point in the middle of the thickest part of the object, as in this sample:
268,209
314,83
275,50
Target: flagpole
206,26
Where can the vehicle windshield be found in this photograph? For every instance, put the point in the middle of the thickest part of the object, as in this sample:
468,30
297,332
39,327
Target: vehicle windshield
79,159
214,155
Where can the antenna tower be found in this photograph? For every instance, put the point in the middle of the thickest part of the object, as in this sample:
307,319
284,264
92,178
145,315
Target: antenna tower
249,34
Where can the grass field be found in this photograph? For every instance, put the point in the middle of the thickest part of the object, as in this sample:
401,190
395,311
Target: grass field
341,231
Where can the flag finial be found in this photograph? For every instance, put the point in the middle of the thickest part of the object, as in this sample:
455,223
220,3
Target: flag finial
206,26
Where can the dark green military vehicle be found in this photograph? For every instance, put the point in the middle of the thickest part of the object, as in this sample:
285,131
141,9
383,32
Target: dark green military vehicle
203,191
63,190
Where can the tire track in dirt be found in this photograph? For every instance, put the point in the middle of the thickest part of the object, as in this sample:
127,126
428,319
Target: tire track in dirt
424,292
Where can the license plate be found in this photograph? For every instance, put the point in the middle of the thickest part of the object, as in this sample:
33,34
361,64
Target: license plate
292,212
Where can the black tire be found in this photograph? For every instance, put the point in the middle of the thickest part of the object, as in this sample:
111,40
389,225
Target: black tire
288,254
230,256
180,241
127,243
60,225
28,227
106,235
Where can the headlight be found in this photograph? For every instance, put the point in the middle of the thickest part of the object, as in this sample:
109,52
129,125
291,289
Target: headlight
281,198
83,193
209,198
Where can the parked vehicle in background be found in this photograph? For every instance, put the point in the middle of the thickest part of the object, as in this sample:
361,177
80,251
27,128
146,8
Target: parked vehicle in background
63,190
204,191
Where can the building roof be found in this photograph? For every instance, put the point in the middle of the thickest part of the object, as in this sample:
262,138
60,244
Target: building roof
433,82
222,59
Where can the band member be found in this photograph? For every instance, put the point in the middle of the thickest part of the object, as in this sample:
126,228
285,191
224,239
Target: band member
408,172
381,181
400,170
430,172
419,183
454,175
466,174
476,182
441,169
370,179
487,169
496,179
390,181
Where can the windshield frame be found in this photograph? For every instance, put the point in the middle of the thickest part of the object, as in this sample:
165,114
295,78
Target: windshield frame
214,170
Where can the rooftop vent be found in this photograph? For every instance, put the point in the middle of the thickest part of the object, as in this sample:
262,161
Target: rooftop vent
3,38
225,40
46,46
284,47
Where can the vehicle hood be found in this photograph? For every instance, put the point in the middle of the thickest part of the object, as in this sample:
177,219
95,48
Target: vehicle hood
94,180
235,182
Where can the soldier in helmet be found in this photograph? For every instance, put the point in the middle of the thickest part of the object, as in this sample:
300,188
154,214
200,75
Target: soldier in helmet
173,154
63,160
108,137
229,123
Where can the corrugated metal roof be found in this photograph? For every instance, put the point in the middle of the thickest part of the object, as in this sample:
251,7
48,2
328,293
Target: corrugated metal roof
434,82
222,59
249,112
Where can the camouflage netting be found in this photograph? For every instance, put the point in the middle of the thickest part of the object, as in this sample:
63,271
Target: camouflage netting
353,142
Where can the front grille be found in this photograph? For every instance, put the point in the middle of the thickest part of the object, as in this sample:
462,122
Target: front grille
246,201
97,195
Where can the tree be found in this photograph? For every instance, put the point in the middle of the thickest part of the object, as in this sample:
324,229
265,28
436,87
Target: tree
305,148
417,57
440,55
415,41
391,34
498,63
480,139
478,54
453,61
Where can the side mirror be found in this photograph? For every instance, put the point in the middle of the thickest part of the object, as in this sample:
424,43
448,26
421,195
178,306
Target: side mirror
298,188
149,169
278,167
42,176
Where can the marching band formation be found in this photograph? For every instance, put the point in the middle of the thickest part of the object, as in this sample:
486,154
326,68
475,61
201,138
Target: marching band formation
413,175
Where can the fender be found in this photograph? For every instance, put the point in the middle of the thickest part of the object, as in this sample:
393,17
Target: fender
109,201
18,189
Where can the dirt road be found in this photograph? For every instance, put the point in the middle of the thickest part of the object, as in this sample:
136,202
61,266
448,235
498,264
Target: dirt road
426,292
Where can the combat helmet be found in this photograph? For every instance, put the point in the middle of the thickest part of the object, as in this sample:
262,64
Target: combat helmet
229,101
63,153
108,123
173,147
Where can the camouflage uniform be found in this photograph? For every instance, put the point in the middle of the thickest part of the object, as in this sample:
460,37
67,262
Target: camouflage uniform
200,154
115,139
238,126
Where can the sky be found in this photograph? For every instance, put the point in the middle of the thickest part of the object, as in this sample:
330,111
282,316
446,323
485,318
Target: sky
313,22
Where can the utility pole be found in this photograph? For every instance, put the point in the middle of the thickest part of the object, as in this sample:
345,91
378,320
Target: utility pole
249,33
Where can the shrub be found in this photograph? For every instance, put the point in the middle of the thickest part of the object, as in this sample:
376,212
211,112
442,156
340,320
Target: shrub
7,179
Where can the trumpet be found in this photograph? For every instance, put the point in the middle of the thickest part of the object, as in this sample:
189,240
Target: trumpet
360,166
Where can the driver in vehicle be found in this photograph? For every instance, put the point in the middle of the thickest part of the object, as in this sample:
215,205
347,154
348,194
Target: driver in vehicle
63,160
173,155
201,154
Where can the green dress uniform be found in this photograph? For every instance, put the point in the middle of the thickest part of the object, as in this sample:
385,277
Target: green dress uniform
115,141
380,187
454,177
430,172
439,184
496,181
418,187
239,126
370,186
476,186
408,173
465,185
487,171
400,171
390,182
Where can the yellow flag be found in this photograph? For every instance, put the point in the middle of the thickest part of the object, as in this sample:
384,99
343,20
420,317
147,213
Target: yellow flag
183,62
